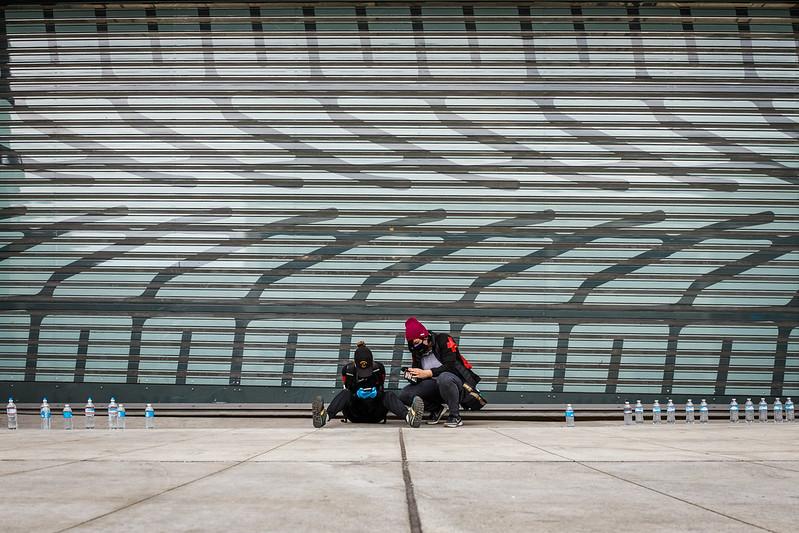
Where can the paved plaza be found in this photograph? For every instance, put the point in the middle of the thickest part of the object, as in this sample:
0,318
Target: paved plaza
260,474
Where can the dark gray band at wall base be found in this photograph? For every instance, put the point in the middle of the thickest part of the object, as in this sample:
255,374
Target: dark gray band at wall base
77,393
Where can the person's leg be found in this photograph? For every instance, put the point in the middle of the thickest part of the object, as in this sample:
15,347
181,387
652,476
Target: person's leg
342,400
321,415
412,415
427,390
394,404
449,387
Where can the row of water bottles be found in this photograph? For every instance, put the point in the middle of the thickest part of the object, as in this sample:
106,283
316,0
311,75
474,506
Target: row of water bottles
781,413
117,415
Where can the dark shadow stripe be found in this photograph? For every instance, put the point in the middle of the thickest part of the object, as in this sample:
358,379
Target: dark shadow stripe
255,16
152,19
671,358
780,359
724,367
32,354
416,21
561,354
204,13
615,364
80,361
504,364
237,353
360,12
309,13
469,21
183,358
134,355
396,361
288,364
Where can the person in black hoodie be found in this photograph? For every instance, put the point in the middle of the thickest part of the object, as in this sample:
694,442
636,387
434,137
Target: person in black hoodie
437,374
364,398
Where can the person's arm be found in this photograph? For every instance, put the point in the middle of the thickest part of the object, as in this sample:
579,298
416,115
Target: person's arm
348,377
380,377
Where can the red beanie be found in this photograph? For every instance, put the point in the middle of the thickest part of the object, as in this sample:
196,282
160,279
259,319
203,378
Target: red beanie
414,329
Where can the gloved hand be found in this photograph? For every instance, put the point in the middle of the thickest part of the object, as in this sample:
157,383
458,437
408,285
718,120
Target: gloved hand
367,394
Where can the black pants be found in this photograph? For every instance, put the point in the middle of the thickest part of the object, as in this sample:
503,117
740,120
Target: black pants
445,388
371,410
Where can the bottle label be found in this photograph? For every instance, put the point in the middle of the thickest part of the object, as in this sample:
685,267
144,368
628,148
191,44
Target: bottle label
689,409
11,411
670,409
703,409
734,408
750,408
89,411
149,414
569,413
656,409
121,414
67,415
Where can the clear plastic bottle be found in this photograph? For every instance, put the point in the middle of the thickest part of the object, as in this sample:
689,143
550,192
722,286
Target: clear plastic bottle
789,415
656,412
671,412
121,416
67,412
639,412
112,414
749,411
703,412
734,411
777,410
569,416
11,413
149,417
44,414
628,414
762,410
89,412
689,412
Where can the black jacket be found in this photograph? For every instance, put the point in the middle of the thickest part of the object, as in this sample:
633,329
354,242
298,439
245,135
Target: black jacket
446,350
353,383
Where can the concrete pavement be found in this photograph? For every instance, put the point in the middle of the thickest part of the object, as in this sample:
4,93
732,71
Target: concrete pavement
244,474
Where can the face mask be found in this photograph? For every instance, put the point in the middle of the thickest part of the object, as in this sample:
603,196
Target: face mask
419,349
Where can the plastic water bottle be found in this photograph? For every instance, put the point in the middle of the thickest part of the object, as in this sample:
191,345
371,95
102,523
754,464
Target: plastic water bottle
749,411
628,414
777,411
44,414
11,413
569,416
88,412
112,414
733,411
703,412
656,413
671,412
121,416
67,416
689,412
789,410
639,412
762,410
149,417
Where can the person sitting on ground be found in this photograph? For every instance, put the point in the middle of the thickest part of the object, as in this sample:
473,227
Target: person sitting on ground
364,398
435,374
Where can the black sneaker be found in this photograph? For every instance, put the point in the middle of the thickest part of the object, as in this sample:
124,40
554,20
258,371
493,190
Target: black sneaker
453,422
436,414
415,412
319,413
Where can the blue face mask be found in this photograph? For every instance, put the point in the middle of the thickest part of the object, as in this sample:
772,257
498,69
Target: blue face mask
367,394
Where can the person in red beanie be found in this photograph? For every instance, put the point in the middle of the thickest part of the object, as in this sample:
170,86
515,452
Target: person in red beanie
437,374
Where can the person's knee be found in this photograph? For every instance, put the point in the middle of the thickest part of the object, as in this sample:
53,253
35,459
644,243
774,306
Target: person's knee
406,395
448,379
